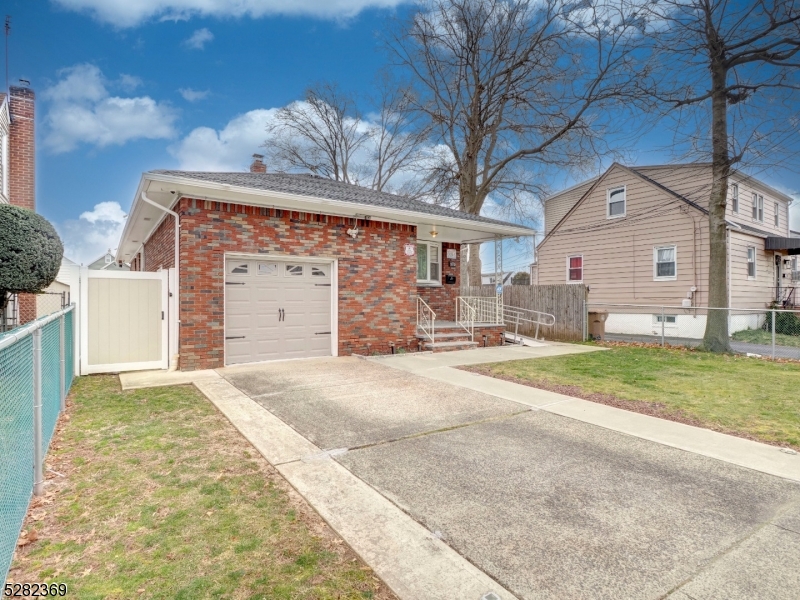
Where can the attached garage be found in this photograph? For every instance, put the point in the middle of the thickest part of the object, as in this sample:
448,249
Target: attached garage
277,309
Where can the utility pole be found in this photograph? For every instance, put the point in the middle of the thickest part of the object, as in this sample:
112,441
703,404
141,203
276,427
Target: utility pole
8,32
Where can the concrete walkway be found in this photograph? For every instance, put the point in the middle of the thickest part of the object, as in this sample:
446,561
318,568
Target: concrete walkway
735,450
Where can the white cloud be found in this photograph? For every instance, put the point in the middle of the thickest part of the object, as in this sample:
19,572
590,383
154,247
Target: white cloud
129,82
81,110
199,39
130,13
93,233
191,95
206,149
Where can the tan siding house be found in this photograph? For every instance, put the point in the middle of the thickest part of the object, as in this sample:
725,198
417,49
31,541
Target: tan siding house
640,236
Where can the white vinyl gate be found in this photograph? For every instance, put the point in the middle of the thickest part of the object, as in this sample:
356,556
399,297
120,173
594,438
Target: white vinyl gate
124,321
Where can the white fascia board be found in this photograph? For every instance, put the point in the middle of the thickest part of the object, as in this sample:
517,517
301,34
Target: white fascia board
266,198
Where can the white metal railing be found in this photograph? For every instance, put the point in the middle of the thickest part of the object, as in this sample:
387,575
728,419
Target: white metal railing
426,319
514,316
488,309
465,316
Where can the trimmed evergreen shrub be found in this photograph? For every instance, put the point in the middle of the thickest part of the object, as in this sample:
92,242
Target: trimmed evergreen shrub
30,251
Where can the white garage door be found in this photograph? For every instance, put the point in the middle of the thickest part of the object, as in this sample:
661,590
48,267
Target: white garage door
276,310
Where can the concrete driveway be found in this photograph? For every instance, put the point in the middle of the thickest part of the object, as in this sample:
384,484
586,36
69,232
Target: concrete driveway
548,506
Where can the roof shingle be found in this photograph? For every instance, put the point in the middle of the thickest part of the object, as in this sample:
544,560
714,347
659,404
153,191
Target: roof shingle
320,187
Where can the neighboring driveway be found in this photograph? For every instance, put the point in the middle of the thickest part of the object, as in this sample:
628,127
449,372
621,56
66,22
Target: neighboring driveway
548,506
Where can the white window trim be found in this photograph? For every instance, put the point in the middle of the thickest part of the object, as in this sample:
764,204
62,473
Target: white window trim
777,214
758,208
735,197
754,276
624,189
655,263
583,267
431,282
667,324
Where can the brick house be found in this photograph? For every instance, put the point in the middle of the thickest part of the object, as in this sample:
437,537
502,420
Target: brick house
275,266
18,172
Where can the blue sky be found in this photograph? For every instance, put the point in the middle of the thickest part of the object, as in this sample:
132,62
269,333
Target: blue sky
126,86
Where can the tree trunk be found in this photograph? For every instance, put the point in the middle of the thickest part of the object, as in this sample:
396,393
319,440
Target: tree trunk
715,338
474,266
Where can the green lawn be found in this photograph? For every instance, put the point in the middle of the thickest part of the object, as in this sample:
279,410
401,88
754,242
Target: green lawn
750,397
759,336
162,498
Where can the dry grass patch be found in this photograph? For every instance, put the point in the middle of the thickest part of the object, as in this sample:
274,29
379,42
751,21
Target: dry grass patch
153,494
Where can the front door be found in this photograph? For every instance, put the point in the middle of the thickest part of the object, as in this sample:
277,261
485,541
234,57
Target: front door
276,309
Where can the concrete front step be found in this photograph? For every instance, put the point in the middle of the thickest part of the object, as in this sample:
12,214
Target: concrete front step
448,346
449,335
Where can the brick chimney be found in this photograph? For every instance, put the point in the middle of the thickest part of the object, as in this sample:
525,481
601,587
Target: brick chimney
21,149
258,165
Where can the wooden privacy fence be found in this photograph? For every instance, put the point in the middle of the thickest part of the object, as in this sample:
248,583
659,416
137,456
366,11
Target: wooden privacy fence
565,302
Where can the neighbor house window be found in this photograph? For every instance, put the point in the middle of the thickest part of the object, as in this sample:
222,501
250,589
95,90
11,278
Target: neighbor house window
758,207
777,215
574,269
751,263
616,202
667,319
665,266
428,261
735,197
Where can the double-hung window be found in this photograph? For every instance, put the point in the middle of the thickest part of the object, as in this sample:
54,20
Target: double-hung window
751,262
758,208
429,260
735,197
574,269
777,215
616,202
665,265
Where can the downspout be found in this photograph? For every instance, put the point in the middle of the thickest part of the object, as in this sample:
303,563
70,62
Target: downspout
174,362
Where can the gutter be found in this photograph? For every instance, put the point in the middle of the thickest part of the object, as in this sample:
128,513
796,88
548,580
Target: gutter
177,271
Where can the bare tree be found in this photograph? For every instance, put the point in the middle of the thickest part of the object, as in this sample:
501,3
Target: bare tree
732,65
320,134
326,134
513,88
397,136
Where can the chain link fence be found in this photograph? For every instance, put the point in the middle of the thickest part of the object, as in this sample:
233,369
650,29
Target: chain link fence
771,332
36,372
43,304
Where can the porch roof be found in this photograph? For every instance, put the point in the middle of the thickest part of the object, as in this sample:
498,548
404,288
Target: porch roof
792,244
303,193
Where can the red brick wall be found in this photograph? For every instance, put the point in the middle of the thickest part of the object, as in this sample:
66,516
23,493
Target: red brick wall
494,335
442,299
377,281
21,149
159,250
